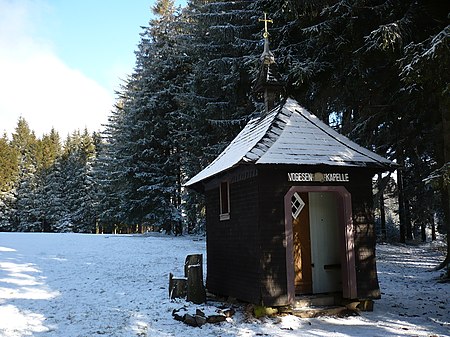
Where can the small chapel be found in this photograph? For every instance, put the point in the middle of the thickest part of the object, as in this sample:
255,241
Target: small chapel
289,206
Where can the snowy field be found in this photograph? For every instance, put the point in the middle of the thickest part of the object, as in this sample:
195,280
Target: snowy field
72,285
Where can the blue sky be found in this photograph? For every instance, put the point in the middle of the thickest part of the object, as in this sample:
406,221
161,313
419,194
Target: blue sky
104,31
61,60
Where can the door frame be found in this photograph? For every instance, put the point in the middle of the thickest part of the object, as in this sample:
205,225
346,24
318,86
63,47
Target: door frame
347,256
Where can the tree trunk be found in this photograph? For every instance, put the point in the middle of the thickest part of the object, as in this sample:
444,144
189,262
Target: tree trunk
433,229
446,137
382,210
408,224
446,206
423,232
401,206
446,262
178,224
446,188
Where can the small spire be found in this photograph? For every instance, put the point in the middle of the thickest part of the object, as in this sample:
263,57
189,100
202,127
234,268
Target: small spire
269,80
267,56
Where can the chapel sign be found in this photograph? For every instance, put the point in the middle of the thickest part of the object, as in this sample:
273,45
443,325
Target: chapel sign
318,177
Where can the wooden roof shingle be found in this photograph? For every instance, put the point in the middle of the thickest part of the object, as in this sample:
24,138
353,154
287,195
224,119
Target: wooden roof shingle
290,134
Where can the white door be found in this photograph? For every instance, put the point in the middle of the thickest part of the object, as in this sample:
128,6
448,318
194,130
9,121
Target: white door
325,258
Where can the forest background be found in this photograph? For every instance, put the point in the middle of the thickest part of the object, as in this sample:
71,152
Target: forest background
375,70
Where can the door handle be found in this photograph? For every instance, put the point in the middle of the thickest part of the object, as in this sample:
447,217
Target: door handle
332,266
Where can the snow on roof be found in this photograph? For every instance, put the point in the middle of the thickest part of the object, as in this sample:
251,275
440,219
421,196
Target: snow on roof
290,134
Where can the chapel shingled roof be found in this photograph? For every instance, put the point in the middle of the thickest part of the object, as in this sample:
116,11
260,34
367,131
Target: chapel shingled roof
290,134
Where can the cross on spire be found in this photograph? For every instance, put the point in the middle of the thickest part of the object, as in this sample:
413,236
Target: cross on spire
265,20
269,81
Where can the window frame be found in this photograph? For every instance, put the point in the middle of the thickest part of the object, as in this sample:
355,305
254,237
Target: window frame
224,205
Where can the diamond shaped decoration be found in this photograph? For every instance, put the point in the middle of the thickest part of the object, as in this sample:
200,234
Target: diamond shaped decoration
297,205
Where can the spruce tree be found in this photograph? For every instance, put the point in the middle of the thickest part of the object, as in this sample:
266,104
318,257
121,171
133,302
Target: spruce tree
148,166
84,208
26,214
377,70
8,178
79,197
108,170
352,64
48,153
8,164
225,44
424,72
54,196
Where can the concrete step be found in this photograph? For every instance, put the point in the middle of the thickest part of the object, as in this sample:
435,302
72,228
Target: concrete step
336,311
322,300
309,306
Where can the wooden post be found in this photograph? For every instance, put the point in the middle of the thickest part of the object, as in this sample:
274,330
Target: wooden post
193,269
177,287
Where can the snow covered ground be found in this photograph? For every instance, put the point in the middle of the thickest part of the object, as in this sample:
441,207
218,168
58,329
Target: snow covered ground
74,285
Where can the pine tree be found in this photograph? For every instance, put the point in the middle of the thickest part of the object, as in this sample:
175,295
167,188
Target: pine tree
54,196
45,188
7,211
109,173
25,143
8,178
48,153
224,44
48,150
190,93
77,193
8,165
27,198
424,72
147,175
84,208
362,64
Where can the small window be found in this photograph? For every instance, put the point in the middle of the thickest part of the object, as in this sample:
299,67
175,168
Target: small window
224,200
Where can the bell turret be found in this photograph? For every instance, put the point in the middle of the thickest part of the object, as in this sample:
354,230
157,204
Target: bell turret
269,81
